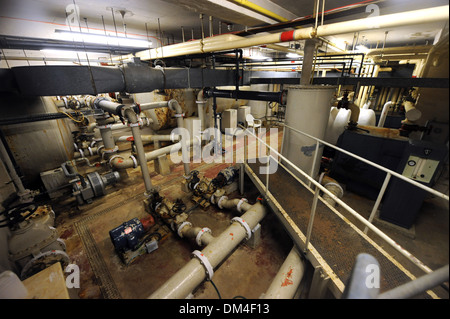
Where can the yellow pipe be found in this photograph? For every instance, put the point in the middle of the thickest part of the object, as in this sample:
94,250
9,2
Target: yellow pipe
261,10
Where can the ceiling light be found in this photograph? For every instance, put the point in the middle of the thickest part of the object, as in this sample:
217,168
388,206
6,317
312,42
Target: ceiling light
362,48
102,39
292,55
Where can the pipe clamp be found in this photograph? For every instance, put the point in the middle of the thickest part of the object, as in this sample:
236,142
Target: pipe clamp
135,163
243,224
181,227
205,262
219,203
238,206
200,234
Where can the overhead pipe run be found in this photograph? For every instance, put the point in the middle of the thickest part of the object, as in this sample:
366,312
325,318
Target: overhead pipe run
278,97
227,42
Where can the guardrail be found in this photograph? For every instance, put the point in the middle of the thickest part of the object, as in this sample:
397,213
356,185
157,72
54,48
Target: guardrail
319,187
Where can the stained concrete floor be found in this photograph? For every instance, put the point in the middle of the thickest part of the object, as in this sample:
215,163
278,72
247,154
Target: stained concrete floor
247,272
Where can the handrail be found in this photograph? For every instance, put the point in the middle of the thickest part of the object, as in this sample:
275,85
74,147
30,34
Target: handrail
369,225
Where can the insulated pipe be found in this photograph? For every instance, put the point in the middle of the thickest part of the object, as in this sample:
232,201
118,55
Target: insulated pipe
388,21
183,282
174,106
135,130
384,113
286,282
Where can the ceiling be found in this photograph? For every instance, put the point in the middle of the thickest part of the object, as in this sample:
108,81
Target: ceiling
166,21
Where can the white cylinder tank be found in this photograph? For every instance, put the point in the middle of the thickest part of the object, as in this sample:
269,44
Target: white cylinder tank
308,110
337,122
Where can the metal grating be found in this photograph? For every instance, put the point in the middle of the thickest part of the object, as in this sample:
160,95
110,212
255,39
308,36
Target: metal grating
333,238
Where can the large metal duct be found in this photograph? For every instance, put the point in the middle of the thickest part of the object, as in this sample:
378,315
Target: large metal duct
92,80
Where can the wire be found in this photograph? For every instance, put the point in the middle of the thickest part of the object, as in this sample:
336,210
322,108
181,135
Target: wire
239,297
73,119
217,290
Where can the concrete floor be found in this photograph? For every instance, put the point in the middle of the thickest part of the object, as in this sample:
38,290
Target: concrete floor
247,272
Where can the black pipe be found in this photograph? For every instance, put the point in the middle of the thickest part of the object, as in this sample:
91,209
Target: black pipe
278,97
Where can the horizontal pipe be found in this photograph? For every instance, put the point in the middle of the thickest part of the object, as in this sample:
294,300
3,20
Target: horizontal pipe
278,97
287,280
227,42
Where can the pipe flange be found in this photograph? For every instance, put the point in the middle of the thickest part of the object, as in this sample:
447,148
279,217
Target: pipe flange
205,262
135,163
181,227
99,148
243,224
242,201
219,203
198,238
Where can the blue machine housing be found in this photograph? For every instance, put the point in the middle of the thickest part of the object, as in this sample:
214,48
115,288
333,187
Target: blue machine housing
126,236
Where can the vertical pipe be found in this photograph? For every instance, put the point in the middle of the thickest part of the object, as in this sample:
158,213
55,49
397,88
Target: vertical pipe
173,105
135,130
308,59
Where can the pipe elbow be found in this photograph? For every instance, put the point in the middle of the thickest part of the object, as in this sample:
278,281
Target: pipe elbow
175,106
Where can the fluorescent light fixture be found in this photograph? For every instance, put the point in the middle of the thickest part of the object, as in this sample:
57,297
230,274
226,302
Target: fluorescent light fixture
67,52
102,39
292,55
362,48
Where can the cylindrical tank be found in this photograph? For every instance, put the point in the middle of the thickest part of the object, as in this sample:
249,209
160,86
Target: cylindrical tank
337,122
367,117
307,110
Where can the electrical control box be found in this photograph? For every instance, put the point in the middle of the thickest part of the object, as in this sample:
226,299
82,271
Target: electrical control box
422,161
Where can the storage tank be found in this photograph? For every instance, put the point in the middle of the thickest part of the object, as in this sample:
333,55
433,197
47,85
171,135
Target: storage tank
308,110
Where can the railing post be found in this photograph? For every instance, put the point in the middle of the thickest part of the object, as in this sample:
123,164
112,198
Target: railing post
378,201
316,154
311,218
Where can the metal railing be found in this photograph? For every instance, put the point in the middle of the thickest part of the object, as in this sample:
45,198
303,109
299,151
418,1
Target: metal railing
319,187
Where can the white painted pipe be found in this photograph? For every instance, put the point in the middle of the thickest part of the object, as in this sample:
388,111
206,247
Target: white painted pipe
183,282
287,280
175,106
153,105
125,161
384,113
228,42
